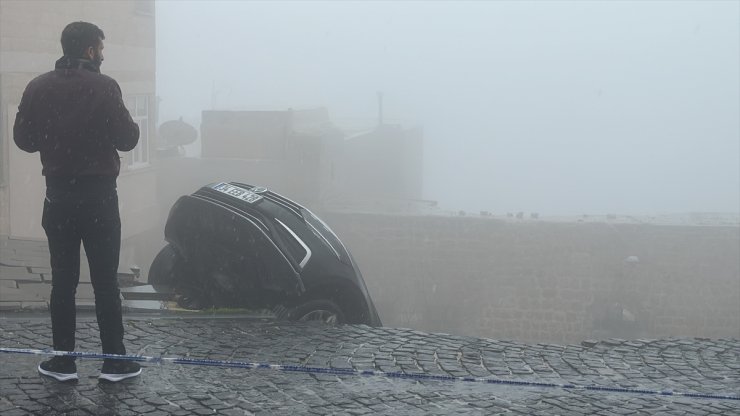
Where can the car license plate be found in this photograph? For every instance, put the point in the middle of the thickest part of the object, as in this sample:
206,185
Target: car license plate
237,192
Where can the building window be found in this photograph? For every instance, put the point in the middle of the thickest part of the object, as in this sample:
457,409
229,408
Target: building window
138,106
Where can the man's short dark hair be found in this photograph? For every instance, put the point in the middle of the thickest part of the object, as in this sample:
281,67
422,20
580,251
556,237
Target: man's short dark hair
78,36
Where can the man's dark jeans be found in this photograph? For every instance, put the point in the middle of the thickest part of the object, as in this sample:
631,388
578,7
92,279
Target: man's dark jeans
93,219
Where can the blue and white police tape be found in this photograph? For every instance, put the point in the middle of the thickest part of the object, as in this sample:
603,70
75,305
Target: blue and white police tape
354,372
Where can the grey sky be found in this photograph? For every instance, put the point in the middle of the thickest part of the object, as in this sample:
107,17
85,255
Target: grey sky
552,107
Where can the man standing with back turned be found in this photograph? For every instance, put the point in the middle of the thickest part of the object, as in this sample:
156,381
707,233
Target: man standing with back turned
75,117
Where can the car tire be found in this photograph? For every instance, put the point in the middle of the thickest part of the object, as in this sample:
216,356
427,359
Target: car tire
165,274
162,272
318,310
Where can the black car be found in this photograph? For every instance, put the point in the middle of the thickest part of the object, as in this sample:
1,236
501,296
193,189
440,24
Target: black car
238,245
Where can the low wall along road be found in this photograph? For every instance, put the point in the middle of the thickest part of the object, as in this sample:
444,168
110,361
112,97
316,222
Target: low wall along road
540,281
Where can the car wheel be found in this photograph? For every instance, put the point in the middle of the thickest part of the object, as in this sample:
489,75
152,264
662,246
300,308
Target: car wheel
320,310
168,273
193,302
162,272
193,296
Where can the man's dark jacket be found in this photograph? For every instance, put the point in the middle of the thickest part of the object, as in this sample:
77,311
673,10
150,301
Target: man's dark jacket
75,117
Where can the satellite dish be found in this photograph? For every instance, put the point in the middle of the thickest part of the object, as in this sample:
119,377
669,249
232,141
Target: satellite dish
177,133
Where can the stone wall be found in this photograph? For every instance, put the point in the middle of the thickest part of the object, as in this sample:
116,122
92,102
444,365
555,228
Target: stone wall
539,281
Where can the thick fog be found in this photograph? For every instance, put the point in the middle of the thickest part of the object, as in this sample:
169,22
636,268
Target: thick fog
551,107
557,138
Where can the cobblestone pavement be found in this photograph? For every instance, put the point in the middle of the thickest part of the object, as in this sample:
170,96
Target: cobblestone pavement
685,365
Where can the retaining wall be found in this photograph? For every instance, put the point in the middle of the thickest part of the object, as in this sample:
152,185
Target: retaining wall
539,281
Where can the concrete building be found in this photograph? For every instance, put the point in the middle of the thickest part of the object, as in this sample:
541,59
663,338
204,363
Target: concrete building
380,169
304,155
30,34
282,150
